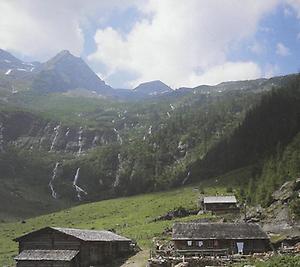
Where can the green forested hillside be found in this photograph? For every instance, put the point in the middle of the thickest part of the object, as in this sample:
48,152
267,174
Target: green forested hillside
117,148
126,147
268,138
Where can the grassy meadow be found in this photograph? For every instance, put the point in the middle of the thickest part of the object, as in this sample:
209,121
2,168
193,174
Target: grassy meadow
130,216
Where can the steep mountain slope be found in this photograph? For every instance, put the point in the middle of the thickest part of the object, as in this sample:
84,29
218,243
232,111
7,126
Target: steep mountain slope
15,74
267,133
66,72
112,149
71,149
7,60
62,73
12,66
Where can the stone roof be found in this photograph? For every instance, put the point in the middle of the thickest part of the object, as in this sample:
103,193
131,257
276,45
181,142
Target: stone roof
219,199
47,255
85,235
92,235
198,231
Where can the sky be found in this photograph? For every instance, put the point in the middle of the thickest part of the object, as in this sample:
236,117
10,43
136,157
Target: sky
180,42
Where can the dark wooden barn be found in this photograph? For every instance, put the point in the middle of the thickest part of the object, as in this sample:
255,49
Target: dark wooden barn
57,247
220,204
219,238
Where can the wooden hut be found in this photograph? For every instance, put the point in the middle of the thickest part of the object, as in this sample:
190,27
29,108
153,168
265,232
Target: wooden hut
219,238
46,258
52,246
220,204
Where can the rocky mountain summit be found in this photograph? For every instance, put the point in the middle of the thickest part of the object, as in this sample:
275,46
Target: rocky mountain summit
66,72
61,73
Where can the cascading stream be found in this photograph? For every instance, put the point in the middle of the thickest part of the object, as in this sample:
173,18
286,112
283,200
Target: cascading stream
117,179
186,178
119,138
54,175
78,189
80,142
56,131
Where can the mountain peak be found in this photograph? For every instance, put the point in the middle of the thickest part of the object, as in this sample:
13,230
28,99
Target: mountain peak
156,87
64,52
7,57
63,55
66,72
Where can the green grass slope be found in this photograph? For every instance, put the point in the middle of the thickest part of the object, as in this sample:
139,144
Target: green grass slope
131,217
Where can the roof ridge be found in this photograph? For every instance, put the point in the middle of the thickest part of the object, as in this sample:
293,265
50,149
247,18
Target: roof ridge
83,234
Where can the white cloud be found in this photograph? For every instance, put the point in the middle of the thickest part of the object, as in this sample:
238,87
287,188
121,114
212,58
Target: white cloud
39,29
184,42
295,4
229,71
282,50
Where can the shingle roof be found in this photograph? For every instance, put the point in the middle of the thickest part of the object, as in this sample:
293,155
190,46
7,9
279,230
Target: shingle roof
183,231
85,235
220,199
47,255
92,235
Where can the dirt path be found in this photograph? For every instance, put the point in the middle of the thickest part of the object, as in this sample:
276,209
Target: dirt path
138,260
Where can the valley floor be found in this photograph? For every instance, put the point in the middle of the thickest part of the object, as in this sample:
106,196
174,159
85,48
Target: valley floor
141,218
138,260
132,217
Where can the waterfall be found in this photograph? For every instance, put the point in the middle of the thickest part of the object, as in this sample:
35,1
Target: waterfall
103,140
78,189
80,143
150,130
181,146
117,179
172,107
8,72
119,138
95,140
54,175
67,132
186,178
168,113
56,131
1,137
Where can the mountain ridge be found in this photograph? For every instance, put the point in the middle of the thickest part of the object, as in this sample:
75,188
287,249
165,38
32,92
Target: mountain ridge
65,72
117,148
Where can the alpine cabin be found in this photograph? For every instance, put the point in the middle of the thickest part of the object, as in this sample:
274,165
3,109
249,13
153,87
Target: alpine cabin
66,247
220,204
211,239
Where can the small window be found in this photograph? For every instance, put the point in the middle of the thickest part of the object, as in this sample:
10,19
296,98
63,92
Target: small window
189,243
210,243
200,244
